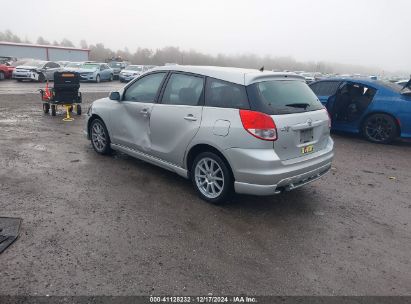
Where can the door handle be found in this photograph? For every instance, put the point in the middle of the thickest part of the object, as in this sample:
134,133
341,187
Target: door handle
145,112
190,117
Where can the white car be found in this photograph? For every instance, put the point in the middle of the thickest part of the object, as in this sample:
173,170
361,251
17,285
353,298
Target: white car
36,70
131,72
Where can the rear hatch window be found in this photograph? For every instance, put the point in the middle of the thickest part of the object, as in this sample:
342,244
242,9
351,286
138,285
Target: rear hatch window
282,97
300,118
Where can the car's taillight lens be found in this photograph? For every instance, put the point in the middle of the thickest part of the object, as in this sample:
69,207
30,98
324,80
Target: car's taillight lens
259,125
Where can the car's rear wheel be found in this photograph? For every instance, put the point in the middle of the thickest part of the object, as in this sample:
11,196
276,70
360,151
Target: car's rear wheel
100,140
211,178
380,128
111,77
78,109
2,76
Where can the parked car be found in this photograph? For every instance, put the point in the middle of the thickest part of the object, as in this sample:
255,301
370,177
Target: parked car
227,129
117,67
73,66
6,71
380,111
96,72
36,70
131,72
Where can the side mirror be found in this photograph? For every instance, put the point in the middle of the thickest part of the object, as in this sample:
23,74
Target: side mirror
114,96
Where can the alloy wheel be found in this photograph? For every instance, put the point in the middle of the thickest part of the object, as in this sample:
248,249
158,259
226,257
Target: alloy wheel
98,136
209,178
379,129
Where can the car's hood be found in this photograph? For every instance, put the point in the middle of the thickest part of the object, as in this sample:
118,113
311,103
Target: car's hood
131,71
27,67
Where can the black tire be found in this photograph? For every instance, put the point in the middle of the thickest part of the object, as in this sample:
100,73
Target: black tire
19,80
225,176
2,76
53,110
380,128
98,79
42,78
78,109
97,144
71,109
46,108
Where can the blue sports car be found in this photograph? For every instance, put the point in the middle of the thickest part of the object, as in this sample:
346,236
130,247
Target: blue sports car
380,111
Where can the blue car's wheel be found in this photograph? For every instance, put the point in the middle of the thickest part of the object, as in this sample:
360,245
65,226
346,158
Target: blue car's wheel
380,128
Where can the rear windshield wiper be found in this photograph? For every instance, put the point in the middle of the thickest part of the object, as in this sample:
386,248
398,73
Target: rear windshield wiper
298,105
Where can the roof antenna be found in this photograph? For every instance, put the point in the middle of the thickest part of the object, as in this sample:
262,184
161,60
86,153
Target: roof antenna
262,69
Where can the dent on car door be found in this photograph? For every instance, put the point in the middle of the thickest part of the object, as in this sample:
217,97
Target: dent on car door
176,119
130,117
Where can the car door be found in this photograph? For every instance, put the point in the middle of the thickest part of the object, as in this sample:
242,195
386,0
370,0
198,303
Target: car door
176,119
129,124
103,72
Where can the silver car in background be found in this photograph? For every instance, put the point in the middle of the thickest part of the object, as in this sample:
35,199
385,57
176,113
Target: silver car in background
131,72
36,70
226,129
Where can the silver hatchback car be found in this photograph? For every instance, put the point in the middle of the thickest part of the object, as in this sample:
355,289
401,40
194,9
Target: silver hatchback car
227,129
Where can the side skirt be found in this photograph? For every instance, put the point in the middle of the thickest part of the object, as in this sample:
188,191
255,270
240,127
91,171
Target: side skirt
151,159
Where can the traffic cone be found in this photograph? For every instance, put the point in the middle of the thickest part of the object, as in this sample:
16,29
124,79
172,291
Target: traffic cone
47,94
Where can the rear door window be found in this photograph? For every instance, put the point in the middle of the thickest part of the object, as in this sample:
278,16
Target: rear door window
223,94
282,97
183,89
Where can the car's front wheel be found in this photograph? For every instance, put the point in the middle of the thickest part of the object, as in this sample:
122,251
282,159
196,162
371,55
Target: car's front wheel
100,140
211,178
98,79
380,128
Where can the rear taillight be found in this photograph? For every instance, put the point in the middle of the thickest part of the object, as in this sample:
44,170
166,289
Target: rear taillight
259,125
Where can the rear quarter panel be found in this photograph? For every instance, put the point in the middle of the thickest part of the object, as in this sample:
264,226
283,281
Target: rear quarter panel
396,105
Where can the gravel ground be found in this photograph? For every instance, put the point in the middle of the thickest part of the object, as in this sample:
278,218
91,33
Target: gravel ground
95,225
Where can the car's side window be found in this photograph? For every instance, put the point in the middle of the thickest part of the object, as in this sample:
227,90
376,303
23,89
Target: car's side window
102,67
225,94
325,88
183,89
145,89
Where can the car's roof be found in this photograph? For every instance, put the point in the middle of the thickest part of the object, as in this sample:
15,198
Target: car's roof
235,75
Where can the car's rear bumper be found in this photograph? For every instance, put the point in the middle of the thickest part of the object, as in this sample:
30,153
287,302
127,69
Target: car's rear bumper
261,172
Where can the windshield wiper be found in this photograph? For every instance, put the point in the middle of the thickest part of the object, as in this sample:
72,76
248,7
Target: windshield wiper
298,105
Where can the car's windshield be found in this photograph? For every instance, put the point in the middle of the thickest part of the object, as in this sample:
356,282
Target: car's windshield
37,64
134,68
115,64
90,66
282,97
74,65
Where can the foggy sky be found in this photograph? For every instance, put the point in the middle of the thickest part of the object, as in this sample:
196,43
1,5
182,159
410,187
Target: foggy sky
366,32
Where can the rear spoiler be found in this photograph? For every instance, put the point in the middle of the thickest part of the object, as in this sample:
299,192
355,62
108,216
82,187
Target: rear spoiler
407,86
